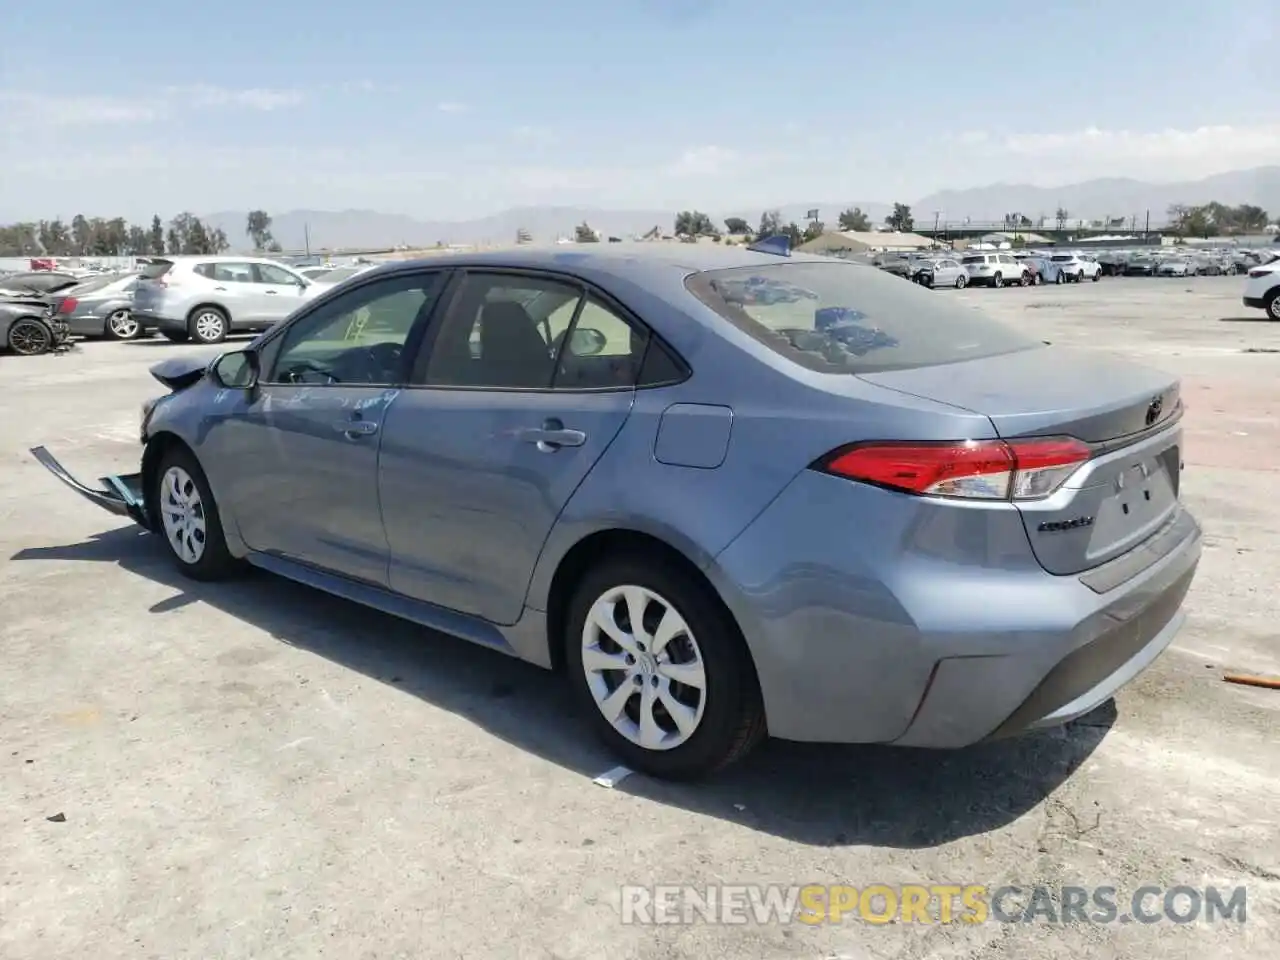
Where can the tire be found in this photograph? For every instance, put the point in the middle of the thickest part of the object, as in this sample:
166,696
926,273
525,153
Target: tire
1058,278
122,326
29,337
186,517
997,281
726,715
208,325
1096,277
1272,304
961,282
1023,280
173,336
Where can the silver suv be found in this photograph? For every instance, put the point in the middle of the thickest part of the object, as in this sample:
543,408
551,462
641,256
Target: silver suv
204,298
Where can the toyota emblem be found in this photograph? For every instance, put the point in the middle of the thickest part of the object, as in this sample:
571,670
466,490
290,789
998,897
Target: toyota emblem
1154,409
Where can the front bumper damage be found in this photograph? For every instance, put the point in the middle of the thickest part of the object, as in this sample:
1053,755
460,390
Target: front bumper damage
121,495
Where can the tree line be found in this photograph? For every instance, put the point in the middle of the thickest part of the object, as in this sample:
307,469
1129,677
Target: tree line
693,224
116,237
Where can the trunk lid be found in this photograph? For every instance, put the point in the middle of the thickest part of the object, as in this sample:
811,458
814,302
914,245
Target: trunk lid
1127,412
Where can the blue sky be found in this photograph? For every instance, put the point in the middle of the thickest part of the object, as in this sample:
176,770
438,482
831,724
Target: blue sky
451,110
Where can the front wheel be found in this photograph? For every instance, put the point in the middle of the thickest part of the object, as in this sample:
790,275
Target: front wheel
1096,277
1272,304
1058,278
661,670
186,515
997,281
961,282
121,325
1023,280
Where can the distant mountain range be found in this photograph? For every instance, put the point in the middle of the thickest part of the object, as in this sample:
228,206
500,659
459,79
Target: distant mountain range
1090,200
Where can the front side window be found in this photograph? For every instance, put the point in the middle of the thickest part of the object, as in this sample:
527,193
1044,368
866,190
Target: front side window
270,273
848,319
359,336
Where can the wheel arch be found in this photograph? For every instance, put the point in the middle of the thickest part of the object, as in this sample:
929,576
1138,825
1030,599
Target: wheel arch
158,444
619,541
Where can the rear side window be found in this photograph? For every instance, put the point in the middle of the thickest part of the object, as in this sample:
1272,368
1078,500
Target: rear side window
974,260
156,269
844,318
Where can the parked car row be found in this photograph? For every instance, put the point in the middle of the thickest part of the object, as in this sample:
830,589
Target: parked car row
200,298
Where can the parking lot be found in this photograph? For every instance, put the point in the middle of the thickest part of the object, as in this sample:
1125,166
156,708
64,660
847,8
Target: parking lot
258,770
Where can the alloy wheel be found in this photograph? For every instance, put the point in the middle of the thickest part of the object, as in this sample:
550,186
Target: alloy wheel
122,325
29,338
644,668
182,515
209,326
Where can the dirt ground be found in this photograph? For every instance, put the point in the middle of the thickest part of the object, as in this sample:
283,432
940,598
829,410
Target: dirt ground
254,770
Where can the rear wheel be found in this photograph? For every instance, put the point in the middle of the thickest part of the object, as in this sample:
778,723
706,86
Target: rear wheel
187,517
208,325
961,282
661,670
1096,276
29,337
1058,278
997,281
122,326
1023,280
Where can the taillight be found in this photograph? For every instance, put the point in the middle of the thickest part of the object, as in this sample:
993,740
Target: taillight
970,469
68,305
1255,274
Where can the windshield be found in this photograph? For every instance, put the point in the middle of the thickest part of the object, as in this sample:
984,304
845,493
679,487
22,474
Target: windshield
1062,258
848,319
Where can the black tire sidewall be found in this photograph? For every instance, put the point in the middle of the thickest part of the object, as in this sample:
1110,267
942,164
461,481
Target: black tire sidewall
174,336
732,696
216,561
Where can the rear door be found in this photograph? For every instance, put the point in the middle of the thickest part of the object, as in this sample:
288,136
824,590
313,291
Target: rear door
230,285
1128,413
508,411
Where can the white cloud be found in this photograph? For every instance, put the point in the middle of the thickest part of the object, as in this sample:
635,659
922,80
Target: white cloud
25,109
533,135
708,161
451,106
1168,154
256,98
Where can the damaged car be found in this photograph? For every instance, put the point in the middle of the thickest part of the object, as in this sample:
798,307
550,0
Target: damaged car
726,493
28,328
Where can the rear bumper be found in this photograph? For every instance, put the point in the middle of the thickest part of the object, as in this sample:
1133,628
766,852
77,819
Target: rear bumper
932,625
1258,303
119,495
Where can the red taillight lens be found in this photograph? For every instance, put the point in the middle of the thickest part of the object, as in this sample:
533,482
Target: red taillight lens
68,305
970,469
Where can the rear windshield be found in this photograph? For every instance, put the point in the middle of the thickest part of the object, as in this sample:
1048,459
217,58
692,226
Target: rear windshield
846,318
1062,258
972,259
156,269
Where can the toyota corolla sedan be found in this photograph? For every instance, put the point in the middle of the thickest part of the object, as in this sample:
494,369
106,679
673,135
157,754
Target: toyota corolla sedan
855,513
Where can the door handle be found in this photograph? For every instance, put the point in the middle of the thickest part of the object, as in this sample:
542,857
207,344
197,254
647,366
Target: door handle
551,436
355,429
223,289
271,293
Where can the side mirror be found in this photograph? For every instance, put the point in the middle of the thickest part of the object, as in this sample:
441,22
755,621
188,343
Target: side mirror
587,342
237,370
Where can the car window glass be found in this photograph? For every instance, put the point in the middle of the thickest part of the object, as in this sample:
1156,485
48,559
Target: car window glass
498,333
269,273
229,272
847,319
357,337
601,350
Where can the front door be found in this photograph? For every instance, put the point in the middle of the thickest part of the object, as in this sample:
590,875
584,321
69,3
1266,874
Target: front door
278,292
306,444
527,382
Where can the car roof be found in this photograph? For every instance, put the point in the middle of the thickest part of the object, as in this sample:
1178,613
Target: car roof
627,261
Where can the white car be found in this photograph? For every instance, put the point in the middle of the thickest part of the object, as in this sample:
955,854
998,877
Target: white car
1076,268
1262,289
